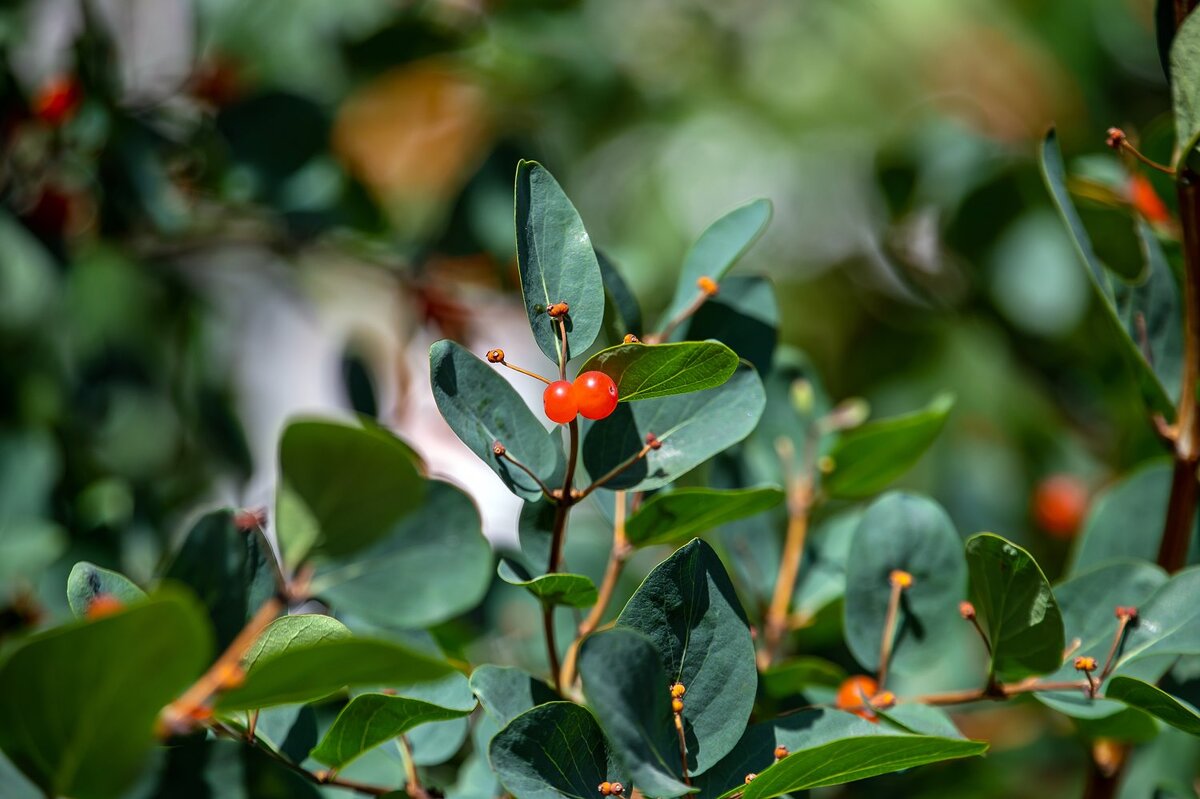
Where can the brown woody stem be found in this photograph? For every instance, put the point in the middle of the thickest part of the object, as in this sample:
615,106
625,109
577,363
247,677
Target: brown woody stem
1122,626
799,500
687,780
534,375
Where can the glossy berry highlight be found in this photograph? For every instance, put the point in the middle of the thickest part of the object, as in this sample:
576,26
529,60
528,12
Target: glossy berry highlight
559,402
595,394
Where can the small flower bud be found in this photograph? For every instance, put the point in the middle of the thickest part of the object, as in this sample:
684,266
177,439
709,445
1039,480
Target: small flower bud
1126,613
1085,663
498,449
495,356
883,700
1116,137
707,285
966,610
617,789
900,579
558,310
103,605
632,339
750,777
247,519
678,689
652,441
781,752
605,789
803,396
677,705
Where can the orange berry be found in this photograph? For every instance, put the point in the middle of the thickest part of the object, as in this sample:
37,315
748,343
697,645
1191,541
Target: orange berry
559,402
103,605
855,694
1059,504
595,394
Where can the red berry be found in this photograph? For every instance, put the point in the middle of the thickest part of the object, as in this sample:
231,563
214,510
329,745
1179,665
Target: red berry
1060,503
58,100
596,394
559,401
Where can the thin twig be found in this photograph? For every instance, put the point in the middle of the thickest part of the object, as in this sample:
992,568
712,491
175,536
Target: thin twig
996,693
616,471
534,375
889,632
662,335
412,781
1122,625
503,454
687,780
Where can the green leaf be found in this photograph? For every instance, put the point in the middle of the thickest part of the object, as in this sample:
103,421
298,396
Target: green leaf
646,371
305,673
1168,623
371,719
869,457
791,677
482,408
692,428
1138,501
88,581
850,759
1156,702
626,686
687,607
558,588
410,578
1016,608
557,263
1185,85
79,702
744,316
342,488
717,250
914,534
621,298
232,571
686,512
506,692
553,751
1157,396
286,632
1087,603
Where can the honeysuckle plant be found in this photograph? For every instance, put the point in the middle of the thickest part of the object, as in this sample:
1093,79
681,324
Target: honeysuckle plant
317,659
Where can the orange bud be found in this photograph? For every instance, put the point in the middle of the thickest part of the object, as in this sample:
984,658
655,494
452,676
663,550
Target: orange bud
707,285
632,339
781,752
495,356
750,777
966,610
677,705
605,789
558,309
900,579
1085,663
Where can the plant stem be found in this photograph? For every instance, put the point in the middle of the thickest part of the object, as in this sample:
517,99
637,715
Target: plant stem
412,781
551,646
680,318
889,633
546,492
557,535
996,693
612,574
1122,625
799,501
682,748
615,471
534,375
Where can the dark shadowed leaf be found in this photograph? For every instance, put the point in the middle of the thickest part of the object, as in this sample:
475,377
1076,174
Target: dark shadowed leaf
1016,608
305,673
688,608
79,702
791,677
88,581
482,408
1155,701
232,571
911,533
371,719
717,250
557,262
621,298
1088,602
342,487
869,457
626,686
647,371
553,751
744,315
506,692
558,588
692,428
431,566
677,515
1185,86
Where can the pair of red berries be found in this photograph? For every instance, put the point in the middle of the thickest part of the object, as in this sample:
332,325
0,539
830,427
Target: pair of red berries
594,394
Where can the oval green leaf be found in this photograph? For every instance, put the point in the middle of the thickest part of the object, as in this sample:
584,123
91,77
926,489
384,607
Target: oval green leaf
688,608
553,751
506,692
342,487
371,719
914,534
692,428
686,512
1168,623
718,249
79,702
410,578
557,263
626,685
646,371
88,581
1155,701
286,632
558,588
482,408
868,458
1185,85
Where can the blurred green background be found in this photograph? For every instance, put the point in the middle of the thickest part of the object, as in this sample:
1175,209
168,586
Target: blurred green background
221,213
